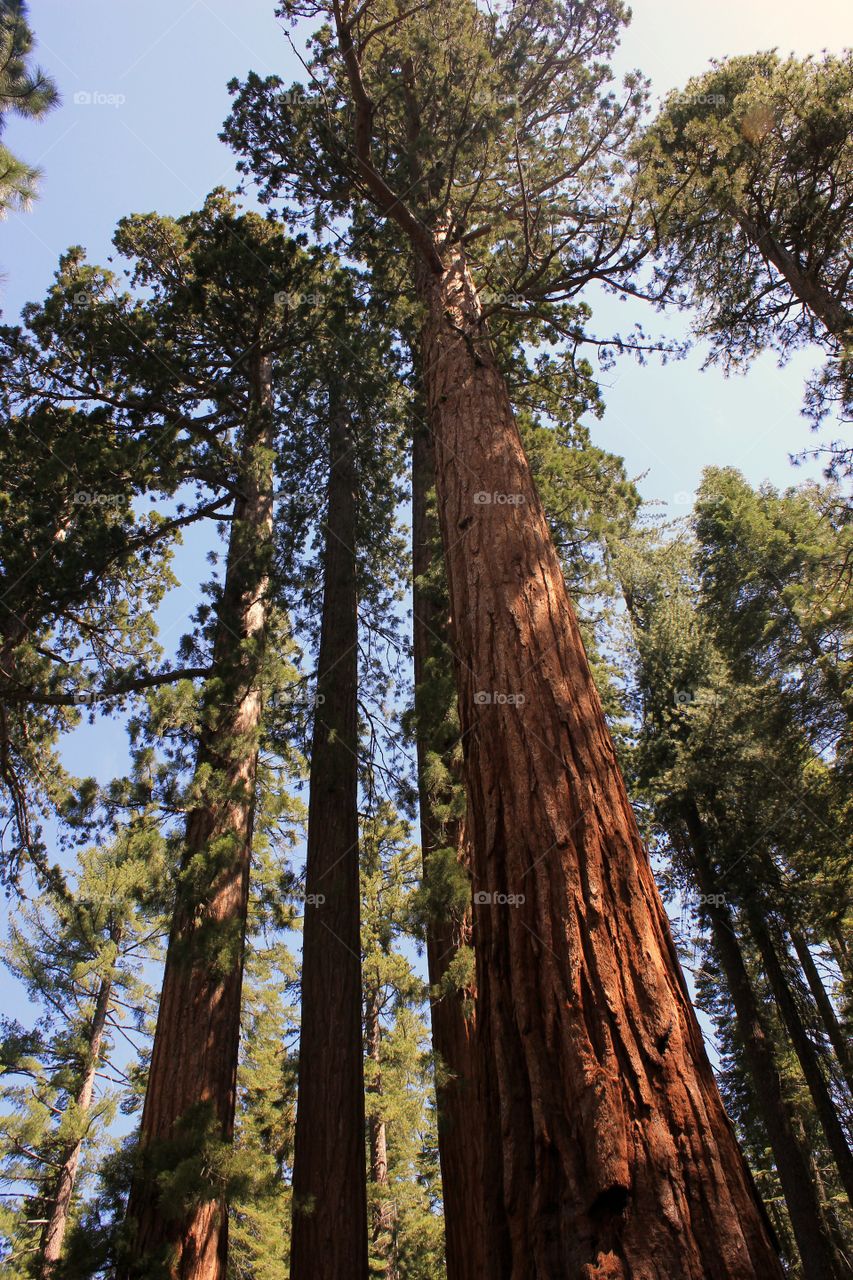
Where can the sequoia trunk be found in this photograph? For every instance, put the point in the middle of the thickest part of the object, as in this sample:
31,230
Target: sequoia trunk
329,1178
608,1151
190,1099
448,924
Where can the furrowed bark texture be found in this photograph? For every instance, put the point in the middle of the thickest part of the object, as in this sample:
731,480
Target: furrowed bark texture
192,1081
811,1232
615,1157
329,1176
458,1088
53,1235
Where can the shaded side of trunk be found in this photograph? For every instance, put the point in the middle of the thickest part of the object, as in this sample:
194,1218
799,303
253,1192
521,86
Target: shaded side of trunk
804,1049
191,1092
837,1038
449,923
615,1155
329,1176
814,1242
382,1211
53,1235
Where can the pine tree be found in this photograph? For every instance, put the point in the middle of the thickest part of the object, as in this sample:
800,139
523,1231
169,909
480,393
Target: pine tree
78,955
25,91
747,170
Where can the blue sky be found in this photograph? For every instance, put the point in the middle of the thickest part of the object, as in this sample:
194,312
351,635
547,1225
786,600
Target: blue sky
156,74
144,95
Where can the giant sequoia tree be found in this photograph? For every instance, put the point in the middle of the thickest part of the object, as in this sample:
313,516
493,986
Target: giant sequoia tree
607,1150
210,291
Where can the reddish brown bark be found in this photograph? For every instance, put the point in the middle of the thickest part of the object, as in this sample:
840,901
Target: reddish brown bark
53,1236
820,1260
609,1154
192,1080
453,1013
329,1177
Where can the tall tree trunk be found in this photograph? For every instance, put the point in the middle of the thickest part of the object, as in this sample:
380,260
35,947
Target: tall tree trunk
613,1154
191,1091
814,1241
53,1235
329,1178
382,1218
804,1049
837,1038
448,925
832,314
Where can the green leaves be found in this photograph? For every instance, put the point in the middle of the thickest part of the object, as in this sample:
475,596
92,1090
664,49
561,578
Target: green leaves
748,174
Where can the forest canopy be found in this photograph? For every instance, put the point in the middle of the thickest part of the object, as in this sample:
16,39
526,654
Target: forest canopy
427,853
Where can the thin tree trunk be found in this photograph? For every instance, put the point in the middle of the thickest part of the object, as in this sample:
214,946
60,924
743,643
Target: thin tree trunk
814,1242
53,1235
382,1223
613,1154
191,1091
448,928
837,1038
329,1177
803,1048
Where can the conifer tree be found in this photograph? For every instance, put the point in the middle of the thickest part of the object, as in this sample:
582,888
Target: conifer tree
748,174
699,728
79,956
26,91
466,113
206,272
